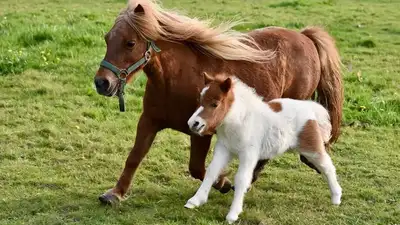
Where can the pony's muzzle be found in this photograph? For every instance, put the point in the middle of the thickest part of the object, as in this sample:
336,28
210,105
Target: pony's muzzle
101,84
104,86
197,125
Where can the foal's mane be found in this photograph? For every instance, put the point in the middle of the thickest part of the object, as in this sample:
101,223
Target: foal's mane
219,41
247,93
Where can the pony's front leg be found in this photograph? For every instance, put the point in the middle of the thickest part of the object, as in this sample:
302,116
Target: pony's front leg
198,153
243,177
220,159
146,132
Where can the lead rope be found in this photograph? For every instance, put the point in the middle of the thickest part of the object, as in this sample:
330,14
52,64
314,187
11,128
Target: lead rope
121,94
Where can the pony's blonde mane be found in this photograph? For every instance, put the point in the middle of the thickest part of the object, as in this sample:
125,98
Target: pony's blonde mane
219,41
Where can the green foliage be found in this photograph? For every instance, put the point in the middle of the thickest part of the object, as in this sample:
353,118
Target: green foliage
62,144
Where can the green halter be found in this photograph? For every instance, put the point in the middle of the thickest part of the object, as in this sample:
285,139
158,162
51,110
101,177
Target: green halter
122,74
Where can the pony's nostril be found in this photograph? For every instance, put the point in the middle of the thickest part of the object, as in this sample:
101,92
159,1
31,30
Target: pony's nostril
98,83
196,124
106,84
101,83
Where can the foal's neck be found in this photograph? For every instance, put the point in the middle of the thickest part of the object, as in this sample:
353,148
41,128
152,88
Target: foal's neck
246,102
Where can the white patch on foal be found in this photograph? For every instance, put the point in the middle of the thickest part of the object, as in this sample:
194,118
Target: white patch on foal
253,131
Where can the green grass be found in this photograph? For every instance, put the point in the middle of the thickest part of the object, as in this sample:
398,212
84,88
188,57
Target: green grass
62,144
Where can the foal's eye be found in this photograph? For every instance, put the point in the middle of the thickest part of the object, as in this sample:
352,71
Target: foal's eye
130,44
214,105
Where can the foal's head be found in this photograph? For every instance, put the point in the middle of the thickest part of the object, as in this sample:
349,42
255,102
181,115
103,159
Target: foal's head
125,47
215,101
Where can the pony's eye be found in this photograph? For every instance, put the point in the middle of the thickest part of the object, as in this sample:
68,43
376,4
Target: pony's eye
130,44
214,105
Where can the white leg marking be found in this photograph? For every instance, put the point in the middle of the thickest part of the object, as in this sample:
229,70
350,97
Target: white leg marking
220,159
243,177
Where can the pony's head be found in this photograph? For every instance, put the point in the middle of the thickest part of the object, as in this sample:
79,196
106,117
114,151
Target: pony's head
130,42
215,101
128,50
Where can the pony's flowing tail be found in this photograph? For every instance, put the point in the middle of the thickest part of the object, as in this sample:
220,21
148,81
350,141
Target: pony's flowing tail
330,87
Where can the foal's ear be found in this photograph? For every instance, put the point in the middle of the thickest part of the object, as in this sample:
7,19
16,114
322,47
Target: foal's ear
139,9
226,85
207,78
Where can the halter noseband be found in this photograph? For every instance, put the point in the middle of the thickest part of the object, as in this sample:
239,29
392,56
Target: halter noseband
122,74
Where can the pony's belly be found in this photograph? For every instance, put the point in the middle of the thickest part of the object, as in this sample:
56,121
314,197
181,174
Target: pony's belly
270,154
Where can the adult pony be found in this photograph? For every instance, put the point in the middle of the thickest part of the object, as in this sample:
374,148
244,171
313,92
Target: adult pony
174,51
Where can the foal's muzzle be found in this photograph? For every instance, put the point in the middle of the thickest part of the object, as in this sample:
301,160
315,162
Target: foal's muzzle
197,125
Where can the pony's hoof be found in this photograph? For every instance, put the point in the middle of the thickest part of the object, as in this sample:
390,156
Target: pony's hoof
336,200
109,198
189,205
195,202
226,188
231,218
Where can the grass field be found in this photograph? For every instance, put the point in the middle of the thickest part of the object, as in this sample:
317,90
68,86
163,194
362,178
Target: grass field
62,144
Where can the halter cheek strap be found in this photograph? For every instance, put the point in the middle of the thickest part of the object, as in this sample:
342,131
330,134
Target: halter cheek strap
122,74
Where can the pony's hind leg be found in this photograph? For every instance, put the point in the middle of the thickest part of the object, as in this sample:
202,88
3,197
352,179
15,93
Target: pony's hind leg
311,146
243,177
220,159
308,163
324,163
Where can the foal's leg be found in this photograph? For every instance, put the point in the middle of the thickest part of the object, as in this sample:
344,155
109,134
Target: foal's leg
324,163
309,164
198,153
146,132
220,159
243,177
257,170
259,167
312,148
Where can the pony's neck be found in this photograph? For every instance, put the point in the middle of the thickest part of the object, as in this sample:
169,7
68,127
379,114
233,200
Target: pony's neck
176,58
161,65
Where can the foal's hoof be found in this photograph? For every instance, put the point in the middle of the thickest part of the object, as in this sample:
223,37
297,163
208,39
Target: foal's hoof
226,188
109,198
231,218
190,205
336,199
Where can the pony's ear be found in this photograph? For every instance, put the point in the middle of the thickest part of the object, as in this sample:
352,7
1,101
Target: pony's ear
139,9
226,85
207,78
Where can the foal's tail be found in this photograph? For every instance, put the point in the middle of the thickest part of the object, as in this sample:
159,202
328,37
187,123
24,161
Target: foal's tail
330,87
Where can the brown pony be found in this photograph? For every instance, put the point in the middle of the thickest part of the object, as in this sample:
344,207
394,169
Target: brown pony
174,51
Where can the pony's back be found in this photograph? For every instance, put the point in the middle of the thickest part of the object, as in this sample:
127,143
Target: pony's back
304,110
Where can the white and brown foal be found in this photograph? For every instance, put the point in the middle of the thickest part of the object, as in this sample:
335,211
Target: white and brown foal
253,130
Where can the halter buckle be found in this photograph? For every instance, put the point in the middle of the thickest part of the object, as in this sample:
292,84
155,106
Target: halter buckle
147,55
123,74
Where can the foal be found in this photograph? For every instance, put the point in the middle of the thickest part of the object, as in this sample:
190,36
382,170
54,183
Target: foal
253,130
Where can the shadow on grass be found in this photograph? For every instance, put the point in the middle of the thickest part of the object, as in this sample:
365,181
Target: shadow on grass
55,205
